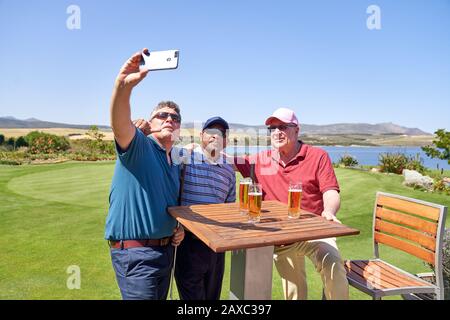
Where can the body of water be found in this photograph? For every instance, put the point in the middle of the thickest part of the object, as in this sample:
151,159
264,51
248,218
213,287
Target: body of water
364,155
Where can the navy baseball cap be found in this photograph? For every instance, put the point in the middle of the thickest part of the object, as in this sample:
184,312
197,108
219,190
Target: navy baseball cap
215,120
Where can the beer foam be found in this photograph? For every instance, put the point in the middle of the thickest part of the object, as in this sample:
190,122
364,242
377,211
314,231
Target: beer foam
255,193
295,190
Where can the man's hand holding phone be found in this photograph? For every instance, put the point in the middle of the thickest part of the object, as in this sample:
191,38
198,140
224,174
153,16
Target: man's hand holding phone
138,65
131,72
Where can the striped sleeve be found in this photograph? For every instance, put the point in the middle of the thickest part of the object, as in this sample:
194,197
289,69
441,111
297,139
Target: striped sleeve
232,191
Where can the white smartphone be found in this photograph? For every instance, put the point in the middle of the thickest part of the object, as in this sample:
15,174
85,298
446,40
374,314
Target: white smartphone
160,60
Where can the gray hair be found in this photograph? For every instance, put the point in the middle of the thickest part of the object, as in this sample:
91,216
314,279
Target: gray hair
166,104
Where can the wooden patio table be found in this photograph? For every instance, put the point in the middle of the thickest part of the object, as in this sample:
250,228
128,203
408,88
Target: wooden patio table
222,227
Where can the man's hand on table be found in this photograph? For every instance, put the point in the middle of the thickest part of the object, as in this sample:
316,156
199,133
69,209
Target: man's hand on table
330,216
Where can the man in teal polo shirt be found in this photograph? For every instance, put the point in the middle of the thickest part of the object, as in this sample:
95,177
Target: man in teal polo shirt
146,182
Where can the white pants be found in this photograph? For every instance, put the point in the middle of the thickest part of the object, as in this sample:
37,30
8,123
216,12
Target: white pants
324,254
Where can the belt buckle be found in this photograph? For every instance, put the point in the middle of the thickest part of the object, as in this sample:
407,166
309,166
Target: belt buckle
164,241
113,243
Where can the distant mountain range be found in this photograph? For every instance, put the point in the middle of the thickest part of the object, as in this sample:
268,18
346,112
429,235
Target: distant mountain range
338,128
307,129
11,122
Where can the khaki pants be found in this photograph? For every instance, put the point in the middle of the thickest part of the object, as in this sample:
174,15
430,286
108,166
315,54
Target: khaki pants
324,254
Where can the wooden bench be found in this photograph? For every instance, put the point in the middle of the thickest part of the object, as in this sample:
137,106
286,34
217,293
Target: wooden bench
412,226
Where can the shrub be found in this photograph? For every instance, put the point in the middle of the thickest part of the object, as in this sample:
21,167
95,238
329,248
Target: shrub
21,142
416,163
92,147
2,139
32,135
392,162
445,264
11,142
12,158
10,162
6,147
440,148
40,142
102,147
439,185
348,161
97,144
87,156
396,162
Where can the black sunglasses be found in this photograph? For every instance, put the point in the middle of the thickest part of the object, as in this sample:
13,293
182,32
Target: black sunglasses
281,127
165,115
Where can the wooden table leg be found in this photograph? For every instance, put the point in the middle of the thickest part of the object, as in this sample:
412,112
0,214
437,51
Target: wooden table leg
251,274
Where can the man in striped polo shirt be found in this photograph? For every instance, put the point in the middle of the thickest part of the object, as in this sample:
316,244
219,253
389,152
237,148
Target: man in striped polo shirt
208,179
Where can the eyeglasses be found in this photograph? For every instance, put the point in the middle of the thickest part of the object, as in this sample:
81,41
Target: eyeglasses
281,127
165,115
214,131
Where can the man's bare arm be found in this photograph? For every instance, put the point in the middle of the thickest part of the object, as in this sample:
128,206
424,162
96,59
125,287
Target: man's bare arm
129,76
331,205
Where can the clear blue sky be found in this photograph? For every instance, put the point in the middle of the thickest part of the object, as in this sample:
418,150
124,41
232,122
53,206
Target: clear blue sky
240,59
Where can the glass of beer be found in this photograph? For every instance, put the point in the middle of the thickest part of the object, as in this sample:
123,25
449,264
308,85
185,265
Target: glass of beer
254,202
243,195
294,199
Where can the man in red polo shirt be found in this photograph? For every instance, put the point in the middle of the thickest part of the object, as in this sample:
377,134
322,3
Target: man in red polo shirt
293,160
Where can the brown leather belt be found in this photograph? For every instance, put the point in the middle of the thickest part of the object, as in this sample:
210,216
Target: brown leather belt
126,244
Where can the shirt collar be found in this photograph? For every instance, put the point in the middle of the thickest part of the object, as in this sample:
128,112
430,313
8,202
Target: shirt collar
300,154
157,144
199,155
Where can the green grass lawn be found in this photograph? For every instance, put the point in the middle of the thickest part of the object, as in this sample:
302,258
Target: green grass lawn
53,216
